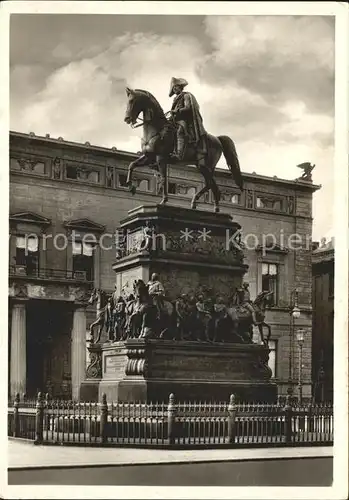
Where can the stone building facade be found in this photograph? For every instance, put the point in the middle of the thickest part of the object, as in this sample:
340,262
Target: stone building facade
323,320
61,191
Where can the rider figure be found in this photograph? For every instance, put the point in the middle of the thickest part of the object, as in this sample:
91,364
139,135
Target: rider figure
109,320
204,314
220,319
182,315
245,300
156,292
119,318
130,298
186,114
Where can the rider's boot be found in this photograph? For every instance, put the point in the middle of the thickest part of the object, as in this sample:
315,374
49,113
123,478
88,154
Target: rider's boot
179,154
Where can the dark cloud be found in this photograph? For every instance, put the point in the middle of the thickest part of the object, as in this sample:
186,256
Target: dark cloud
57,39
277,83
245,118
281,58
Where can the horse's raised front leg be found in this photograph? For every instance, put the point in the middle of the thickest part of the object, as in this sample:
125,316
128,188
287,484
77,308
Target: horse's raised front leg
141,161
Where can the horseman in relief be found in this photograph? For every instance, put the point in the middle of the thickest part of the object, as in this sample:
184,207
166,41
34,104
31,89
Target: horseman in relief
147,314
246,302
245,314
187,117
103,315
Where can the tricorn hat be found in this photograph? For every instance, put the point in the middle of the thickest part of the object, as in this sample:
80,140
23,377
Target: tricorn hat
177,81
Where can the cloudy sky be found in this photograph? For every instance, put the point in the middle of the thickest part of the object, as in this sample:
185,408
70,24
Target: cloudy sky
266,81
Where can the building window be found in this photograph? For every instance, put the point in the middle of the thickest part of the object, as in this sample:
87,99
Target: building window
27,253
191,192
122,180
277,205
331,284
259,202
71,172
269,203
272,357
143,184
90,176
83,259
172,188
270,282
230,197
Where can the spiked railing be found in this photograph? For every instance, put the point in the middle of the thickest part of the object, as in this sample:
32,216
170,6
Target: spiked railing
176,423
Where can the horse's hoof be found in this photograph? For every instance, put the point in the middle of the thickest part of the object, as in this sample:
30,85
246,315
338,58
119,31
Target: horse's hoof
164,201
193,206
217,210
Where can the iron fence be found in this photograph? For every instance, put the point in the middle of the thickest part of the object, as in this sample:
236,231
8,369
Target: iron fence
174,423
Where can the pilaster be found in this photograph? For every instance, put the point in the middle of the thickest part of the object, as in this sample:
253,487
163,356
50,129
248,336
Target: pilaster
18,348
78,350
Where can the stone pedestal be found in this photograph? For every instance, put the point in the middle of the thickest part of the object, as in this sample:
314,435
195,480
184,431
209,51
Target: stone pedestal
138,370
194,253
189,249
18,368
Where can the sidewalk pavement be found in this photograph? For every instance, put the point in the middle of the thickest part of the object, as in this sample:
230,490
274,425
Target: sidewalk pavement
28,455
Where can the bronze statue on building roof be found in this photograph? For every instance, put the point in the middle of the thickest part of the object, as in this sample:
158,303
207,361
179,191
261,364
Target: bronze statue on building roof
307,168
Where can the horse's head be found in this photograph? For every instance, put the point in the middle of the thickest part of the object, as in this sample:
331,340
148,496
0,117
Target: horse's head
139,101
98,295
135,106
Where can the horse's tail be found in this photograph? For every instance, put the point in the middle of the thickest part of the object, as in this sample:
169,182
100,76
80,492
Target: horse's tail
232,159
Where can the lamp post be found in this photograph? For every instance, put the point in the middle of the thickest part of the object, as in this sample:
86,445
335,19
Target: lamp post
300,340
294,314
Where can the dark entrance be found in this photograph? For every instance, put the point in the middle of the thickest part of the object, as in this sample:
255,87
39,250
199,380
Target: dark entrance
49,325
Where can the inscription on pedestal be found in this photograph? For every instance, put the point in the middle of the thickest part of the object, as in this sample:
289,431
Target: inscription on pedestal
113,365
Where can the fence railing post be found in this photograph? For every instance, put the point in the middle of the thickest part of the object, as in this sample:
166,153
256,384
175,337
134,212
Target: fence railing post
288,420
16,429
171,419
104,419
39,420
231,419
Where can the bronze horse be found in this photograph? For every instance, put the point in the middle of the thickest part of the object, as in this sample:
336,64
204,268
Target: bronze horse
242,317
158,144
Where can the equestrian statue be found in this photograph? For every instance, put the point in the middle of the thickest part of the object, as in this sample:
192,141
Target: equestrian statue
178,137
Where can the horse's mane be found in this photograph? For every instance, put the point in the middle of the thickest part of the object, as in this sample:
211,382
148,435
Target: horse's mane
153,100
